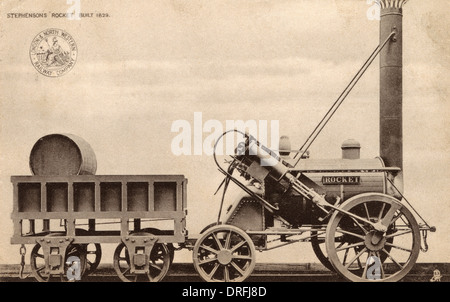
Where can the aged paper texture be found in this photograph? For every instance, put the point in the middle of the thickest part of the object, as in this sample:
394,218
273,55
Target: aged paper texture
124,75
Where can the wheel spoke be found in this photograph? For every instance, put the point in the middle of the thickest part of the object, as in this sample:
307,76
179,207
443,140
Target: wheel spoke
345,257
155,266
393,260
40,268
123,259
359,225
338,249
351,234
367,211
359,261
381,212
226,273
240,244
228,241
39,256
210,249
341,244
207,261
236,267
213,271
126,271
364,274
219,244
398,247
356,257
398,234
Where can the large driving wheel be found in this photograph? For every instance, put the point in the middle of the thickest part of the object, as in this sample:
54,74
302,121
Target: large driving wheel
224,253
364,254
320,249
159,262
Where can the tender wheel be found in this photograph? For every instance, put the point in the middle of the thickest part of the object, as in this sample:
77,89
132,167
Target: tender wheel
224,253
93,253
360,253
93,256
37,261
158,232
159,262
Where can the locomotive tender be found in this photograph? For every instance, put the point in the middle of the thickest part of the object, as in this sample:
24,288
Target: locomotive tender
351,210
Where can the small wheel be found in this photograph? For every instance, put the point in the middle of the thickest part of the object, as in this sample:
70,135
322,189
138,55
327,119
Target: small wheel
93,256
365,254
159,262
93,253
37,261
155,231
224,253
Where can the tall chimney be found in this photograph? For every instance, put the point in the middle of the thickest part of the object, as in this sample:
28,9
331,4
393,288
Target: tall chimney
391,91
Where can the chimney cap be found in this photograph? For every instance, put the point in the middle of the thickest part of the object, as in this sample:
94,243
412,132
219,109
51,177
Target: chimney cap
351,144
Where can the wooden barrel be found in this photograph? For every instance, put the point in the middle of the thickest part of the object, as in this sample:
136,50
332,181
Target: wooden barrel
62,154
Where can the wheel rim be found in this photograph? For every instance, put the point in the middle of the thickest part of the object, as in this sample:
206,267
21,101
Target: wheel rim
93,257
319,248
93,252
361,247
159,262
37,261
224,254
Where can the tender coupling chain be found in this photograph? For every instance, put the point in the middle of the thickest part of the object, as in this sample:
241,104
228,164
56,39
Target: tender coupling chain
23,252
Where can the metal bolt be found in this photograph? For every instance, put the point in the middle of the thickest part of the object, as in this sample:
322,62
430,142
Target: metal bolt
145,240
126,238
48,241
42,239
61,241
67,238
132,240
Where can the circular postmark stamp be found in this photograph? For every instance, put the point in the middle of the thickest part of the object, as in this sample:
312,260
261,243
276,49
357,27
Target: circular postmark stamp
53,52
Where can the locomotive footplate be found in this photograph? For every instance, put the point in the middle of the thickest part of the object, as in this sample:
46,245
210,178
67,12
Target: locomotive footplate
139,247
54,252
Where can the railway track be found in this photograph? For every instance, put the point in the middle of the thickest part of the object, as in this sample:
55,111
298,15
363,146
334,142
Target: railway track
264,272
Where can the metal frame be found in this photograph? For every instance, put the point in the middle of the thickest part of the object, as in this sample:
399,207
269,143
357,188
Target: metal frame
178,216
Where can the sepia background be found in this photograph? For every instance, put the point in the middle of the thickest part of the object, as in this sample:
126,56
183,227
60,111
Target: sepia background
151,63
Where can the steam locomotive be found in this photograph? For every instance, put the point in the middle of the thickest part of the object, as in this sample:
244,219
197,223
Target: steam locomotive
351,210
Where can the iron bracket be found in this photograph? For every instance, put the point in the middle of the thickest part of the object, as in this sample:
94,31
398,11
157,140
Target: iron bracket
139,249
54,250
